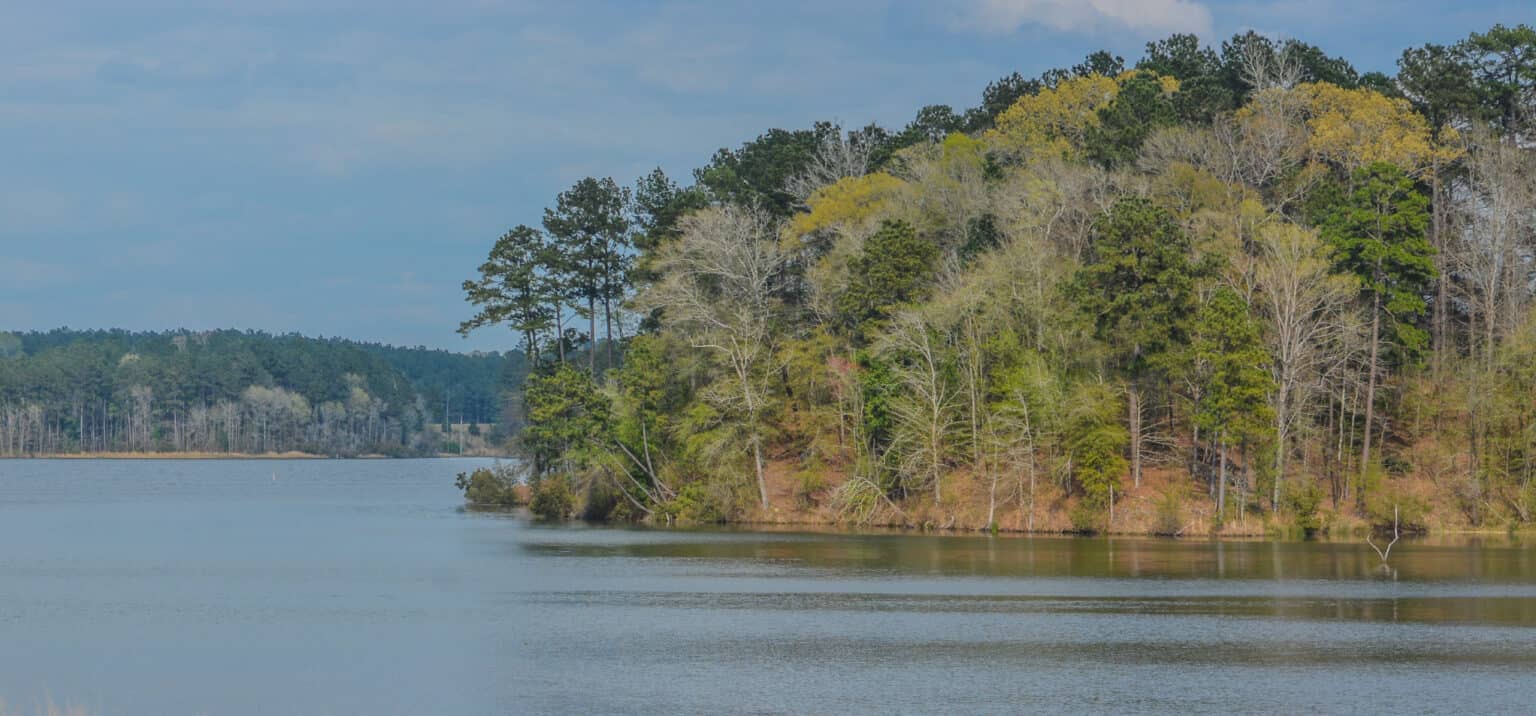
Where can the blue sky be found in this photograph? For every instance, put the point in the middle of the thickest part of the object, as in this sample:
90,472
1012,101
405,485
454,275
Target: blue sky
338,167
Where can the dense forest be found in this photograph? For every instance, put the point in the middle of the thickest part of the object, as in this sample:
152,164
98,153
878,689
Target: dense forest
65,391
1217,289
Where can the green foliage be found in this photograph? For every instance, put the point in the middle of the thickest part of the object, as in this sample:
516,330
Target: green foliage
1378,235
1086,519
1202,92
1438,83
1139,285
604,503
567,418
999,96
1236,380
590,227
238,391
1407,511
1250,49
1168,512
1141,107
757,173
650,391
878,385
489,486
809,484
703,502
1096,441
1011,290
1302,500
510,289
553,498
896,267
659,204
931,125
1503,68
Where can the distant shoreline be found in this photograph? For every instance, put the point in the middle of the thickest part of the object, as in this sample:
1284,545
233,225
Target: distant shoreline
220,456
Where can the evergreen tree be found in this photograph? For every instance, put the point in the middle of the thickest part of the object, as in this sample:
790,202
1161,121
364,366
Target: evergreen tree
590,226
895,267
567,418
1139,290
1378,236
1234,405
510,289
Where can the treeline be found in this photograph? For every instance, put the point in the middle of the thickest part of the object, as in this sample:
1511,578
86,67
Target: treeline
65,391
458,387
1212,283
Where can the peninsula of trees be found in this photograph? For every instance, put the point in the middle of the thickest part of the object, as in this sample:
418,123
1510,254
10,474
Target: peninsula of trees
1213,289
64,392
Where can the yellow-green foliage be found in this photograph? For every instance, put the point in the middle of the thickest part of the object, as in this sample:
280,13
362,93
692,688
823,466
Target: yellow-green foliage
1056,121
1353,128
849,205
1114,270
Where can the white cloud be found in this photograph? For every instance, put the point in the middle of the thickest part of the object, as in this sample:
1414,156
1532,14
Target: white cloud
1153,17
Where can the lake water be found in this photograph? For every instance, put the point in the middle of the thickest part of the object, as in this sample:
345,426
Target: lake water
361,587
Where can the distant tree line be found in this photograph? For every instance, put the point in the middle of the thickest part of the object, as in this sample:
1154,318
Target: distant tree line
66,391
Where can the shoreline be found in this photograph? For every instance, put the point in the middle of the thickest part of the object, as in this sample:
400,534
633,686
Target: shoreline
1340,537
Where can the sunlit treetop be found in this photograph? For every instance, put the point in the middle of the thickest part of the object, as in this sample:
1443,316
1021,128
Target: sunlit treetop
1354,128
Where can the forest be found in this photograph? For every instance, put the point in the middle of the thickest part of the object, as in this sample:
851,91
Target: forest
1220,289
247,392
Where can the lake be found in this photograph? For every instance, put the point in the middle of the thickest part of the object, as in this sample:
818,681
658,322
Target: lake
350,587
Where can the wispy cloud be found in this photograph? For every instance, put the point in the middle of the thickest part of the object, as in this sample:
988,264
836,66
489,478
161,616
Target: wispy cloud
1153,17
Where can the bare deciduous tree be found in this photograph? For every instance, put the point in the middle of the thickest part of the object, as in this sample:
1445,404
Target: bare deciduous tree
1492,258
839,156
719,287
1305,306
926,411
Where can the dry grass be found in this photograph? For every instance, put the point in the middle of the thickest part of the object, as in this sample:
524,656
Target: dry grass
1145,510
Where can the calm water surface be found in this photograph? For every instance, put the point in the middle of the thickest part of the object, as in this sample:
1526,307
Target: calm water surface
336,587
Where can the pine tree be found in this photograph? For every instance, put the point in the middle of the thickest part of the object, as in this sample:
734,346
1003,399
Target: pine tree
1378,235
1139,290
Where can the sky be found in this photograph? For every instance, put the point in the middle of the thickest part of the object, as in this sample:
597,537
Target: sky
339,167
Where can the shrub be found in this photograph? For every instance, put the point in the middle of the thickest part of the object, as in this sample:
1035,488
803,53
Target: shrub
1303,500
808,484
493,486
552,499
1407,512
703,501
604,503
1168,515
1086,518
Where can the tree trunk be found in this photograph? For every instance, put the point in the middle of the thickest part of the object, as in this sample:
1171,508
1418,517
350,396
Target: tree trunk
1281,396
1134,405
757,461
560,332
1370,387
1221,484
608,329
592,336
1442,282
